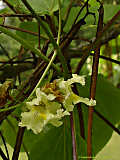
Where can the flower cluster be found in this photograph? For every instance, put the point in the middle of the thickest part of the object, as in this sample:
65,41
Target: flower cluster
53,101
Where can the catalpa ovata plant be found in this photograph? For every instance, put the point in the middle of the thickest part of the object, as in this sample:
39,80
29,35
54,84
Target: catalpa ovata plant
53,101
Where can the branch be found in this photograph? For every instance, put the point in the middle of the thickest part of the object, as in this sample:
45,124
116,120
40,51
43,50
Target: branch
5,51
85,5
12,8
18,143
108,59
16,15
77,53
93,84
39,37
22,30
74,149
111,33
51,23
107,122
10,71
14,130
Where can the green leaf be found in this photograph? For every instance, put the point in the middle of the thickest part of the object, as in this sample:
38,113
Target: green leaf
94,5
43,6
1,20
110,11
71,18
111,150
13,2
32,27
56,144
50,146
18,6
108,104
29,26
9,128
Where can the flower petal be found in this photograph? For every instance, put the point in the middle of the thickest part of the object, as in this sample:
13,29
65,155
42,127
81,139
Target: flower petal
76,79
35,120
56,119
52,107
86,101
35,101
51,97
31,121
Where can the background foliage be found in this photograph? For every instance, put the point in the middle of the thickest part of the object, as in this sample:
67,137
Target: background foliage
25,67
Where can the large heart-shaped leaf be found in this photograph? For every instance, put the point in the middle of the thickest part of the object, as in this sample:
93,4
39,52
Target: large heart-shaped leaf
108,104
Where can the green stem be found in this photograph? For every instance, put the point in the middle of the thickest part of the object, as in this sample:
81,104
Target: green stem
60,55
13,107
59,31
53,57
26,45
44,74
